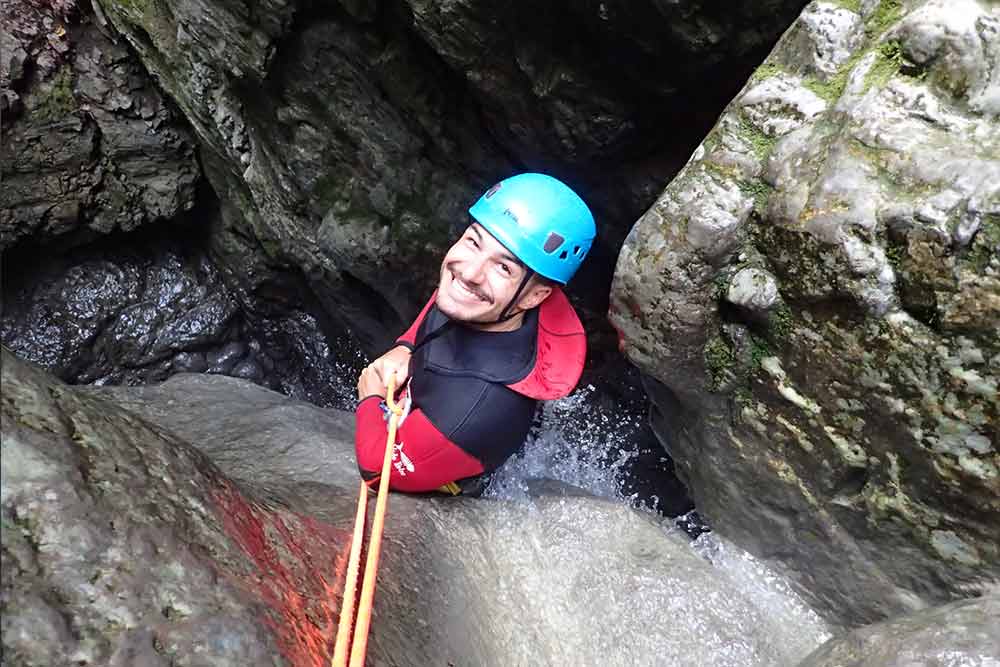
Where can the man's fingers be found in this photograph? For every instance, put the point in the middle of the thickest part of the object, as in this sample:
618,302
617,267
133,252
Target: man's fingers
384,369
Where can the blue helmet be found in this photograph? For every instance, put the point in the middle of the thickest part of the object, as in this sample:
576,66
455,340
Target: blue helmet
541,221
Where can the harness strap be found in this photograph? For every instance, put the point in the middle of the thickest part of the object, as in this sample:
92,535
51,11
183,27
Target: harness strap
451,488
437,333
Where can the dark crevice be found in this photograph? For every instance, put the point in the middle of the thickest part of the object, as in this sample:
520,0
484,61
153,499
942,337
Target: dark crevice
374,306
277,335
851,482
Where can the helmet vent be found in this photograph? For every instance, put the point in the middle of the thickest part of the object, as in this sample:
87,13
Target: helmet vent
576,250
552,243
563,254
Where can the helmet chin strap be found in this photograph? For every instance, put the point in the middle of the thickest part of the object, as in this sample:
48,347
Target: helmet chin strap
505,314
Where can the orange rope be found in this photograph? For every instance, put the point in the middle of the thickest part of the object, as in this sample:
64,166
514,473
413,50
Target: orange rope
360,643
351,582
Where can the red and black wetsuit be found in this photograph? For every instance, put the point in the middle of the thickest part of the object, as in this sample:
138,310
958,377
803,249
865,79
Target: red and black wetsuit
472,395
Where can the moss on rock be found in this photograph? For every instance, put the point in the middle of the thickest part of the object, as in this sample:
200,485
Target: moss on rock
759,141
720,360
888,61
883,17
58,100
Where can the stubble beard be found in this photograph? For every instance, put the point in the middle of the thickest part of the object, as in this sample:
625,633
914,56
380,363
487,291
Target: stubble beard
449,273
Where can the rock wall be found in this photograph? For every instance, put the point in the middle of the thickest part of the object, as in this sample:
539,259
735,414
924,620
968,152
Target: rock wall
815,301
140,307
106,225
349,139
90,145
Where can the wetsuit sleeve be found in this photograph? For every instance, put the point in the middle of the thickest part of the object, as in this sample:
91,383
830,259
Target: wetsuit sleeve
424,458
409,337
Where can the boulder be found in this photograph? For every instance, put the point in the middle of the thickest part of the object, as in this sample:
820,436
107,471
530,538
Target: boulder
814,302
124,545
961,633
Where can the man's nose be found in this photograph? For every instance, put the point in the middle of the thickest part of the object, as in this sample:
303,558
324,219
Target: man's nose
474,270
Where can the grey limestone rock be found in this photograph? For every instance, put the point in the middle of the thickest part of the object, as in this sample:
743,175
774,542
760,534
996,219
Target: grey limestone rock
90,145
124,545
755,290
348,139
963,633
852,434
151,307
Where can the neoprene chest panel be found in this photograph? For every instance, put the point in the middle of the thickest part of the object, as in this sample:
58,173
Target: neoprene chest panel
459,382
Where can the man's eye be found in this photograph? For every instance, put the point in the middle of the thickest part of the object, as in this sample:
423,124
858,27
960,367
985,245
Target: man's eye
473,241
505,268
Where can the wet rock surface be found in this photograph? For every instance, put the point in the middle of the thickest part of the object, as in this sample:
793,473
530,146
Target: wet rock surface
433,104
124,545
961,633
90,145
814,300
846,425
147,307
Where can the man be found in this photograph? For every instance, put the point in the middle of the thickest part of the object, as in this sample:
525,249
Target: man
497,336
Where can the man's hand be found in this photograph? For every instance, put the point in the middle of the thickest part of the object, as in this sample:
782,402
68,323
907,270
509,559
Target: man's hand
375,377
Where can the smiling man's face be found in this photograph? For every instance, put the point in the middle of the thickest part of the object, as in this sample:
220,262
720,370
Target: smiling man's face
479,277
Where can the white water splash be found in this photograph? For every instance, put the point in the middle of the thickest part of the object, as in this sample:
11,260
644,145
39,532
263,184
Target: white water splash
575,443
744,613
593,582
786,610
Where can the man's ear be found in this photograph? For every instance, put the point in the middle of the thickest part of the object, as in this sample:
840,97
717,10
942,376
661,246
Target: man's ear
534,295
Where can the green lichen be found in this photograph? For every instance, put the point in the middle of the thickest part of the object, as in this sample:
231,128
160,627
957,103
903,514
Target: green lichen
766,71
743,396
889,56
719,361
985,245
888,61
58,100
886,14
760,143
886,162
711,142
727,171
759,191
852,5
759,348
779,323
832,88
895,253
720,284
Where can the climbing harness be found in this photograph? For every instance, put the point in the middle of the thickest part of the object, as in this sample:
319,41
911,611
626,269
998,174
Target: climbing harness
359,645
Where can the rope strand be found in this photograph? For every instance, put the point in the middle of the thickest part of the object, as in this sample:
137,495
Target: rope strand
359,646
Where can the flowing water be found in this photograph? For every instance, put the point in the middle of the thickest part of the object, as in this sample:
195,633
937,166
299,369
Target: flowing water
653,596
577,445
